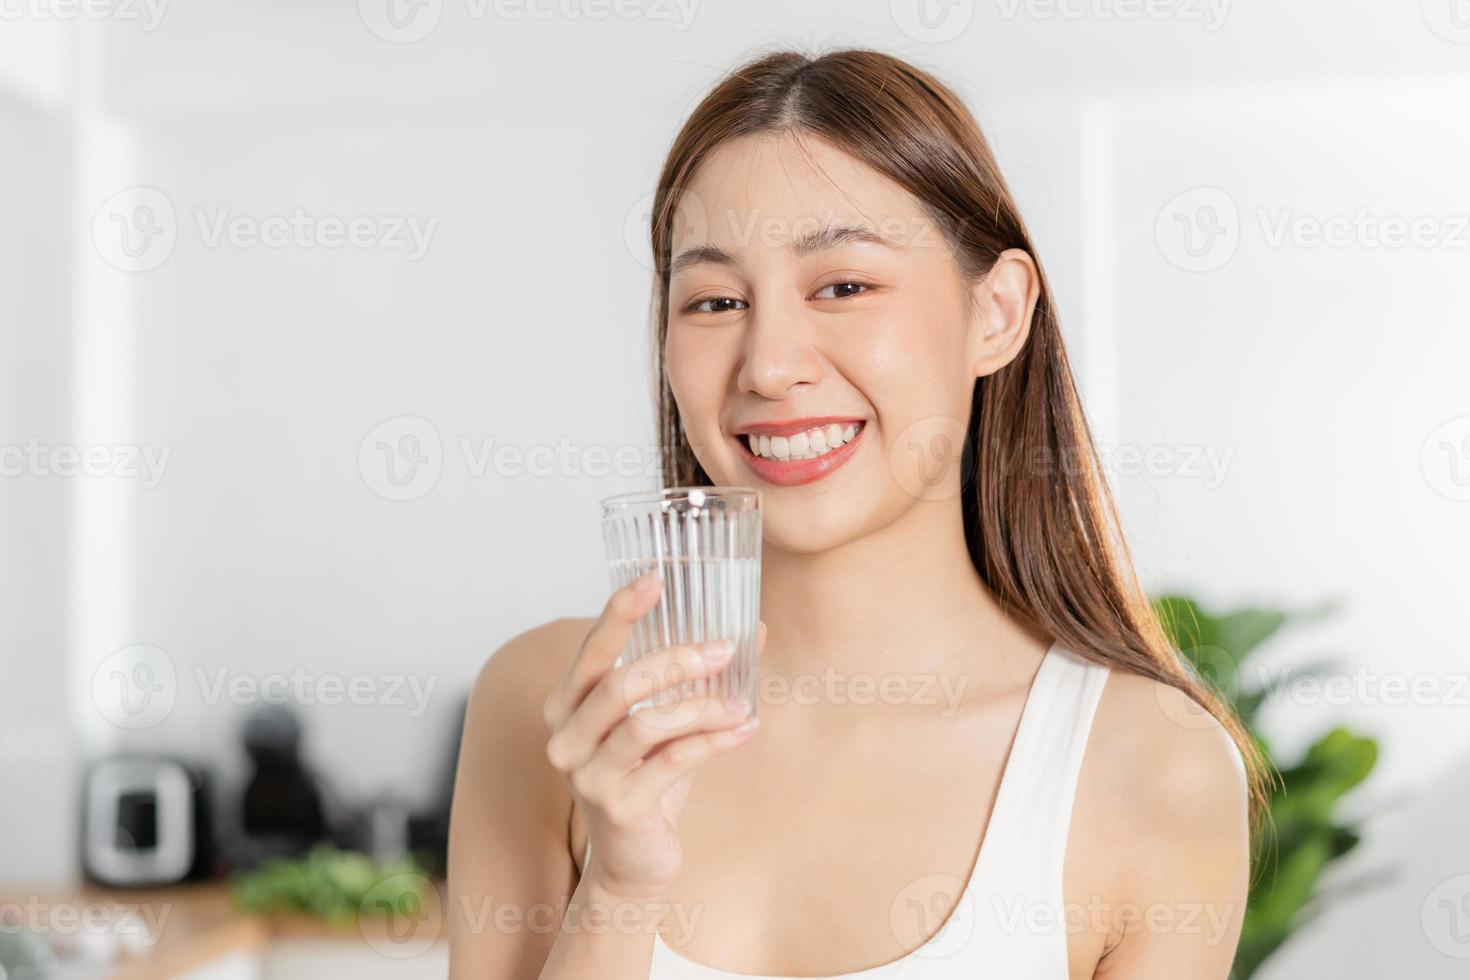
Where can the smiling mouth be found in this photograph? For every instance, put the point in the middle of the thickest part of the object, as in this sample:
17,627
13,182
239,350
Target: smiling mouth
801,455
813,443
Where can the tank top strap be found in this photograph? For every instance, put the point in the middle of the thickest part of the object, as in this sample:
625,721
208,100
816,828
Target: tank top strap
1026,841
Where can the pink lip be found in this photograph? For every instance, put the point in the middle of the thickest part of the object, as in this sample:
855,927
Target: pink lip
790,473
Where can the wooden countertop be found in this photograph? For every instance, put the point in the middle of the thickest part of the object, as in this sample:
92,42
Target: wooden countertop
160,933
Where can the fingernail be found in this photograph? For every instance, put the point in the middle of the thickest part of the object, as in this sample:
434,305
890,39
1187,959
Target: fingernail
647,583
746,727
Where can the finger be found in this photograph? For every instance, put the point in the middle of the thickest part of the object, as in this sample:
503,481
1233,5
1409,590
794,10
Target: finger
645,786
652,729
607,638
573,744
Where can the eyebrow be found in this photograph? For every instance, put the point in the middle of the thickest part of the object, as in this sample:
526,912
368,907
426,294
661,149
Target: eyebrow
829,236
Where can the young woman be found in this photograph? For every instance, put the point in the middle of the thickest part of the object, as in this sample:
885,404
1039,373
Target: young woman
998,768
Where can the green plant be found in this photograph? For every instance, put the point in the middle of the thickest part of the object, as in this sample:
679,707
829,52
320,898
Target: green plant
1302,834
329,884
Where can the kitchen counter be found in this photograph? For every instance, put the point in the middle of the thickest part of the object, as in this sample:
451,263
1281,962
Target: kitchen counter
183,931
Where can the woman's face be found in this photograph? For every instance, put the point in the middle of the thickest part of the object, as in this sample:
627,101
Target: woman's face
809,292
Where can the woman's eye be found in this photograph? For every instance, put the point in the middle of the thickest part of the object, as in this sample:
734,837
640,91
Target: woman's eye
841,290
715,304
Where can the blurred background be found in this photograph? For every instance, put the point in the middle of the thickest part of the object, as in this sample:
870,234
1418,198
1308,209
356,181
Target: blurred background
325,326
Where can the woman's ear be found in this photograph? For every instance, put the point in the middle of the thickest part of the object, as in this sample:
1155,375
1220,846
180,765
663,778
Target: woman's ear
1003,303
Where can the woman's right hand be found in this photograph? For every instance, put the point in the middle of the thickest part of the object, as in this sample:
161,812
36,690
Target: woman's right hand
631,774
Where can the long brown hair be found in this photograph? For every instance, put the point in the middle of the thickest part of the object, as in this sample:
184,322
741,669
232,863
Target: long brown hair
1040,523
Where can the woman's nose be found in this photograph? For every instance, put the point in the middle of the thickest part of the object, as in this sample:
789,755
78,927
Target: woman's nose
780,353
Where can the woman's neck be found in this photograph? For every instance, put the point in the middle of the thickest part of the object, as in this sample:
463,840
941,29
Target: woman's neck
904,600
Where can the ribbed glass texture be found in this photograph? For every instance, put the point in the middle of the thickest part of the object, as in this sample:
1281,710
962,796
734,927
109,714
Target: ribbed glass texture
705,543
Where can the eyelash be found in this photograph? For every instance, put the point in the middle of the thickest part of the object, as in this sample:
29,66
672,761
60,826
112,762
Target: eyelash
693,307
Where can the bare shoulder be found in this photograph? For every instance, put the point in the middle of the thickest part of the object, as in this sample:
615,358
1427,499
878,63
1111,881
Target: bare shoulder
1161,826
1173,766
504,737
521,673
1160,833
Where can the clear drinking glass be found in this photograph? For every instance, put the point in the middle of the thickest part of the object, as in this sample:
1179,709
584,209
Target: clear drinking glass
705,543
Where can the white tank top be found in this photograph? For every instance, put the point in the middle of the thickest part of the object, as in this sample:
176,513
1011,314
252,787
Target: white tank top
1009,921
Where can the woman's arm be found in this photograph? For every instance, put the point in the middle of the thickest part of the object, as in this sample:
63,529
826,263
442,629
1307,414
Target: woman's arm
512,883
1179,838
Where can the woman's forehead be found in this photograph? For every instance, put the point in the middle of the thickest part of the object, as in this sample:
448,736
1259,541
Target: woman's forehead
779,191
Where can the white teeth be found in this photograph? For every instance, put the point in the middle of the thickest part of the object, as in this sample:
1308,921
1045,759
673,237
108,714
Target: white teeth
803,445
